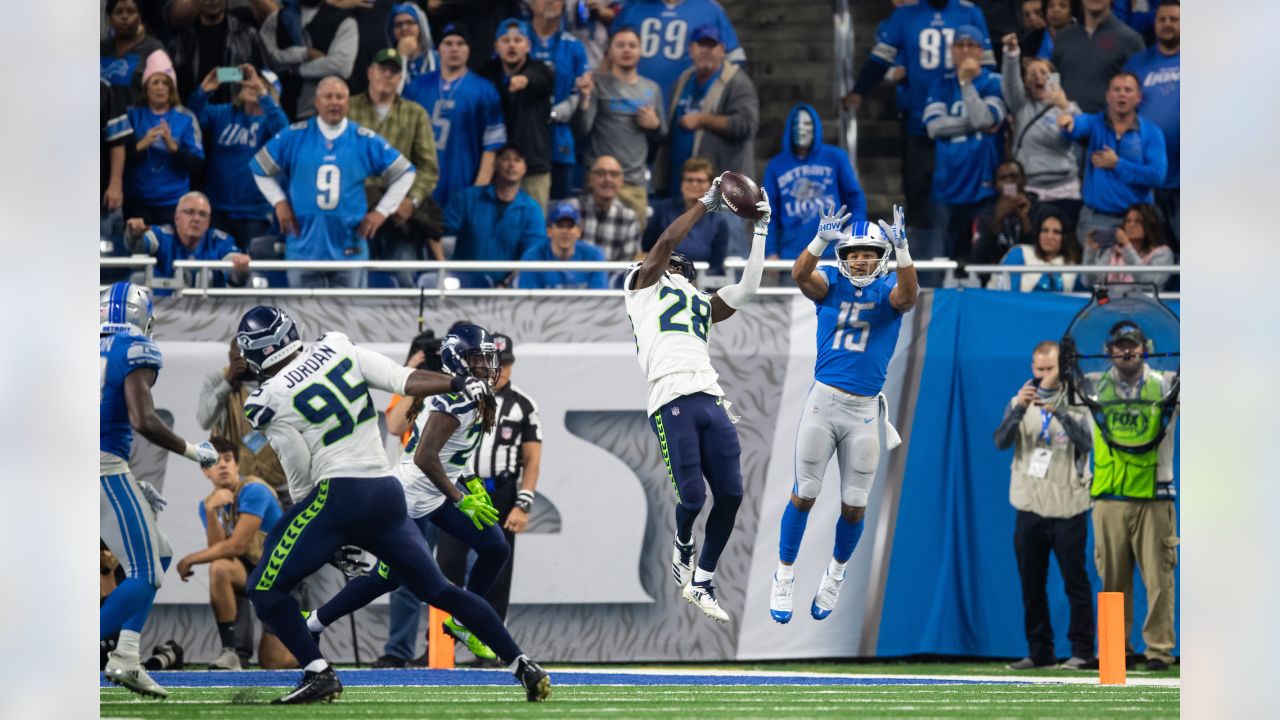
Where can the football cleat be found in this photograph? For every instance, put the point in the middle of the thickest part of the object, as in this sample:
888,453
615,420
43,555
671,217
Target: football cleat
228,659
702,595
682,563
535,680
128,673
459,632
824,601
781,600
323,686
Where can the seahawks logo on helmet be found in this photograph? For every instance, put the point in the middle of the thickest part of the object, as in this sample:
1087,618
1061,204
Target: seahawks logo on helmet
267,336
469,351
863,235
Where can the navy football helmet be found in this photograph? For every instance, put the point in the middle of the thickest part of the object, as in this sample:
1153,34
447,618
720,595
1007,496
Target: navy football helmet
267,336
125,307
469,351
683,265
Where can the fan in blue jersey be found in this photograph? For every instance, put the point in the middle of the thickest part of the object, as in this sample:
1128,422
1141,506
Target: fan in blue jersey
324,161
128,363
860,306
466,117
665,28
566,55
188,238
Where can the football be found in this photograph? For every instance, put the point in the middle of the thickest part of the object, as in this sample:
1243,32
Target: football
740,194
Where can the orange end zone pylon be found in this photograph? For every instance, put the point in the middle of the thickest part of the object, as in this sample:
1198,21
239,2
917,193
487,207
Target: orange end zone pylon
1111,643
440,643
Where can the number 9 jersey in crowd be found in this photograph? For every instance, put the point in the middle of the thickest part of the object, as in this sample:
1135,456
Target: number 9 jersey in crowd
671,320
318,415
857,332
420,494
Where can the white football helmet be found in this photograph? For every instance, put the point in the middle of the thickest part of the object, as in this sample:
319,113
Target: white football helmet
863,236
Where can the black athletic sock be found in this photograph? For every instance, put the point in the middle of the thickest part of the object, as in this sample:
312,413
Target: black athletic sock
227,634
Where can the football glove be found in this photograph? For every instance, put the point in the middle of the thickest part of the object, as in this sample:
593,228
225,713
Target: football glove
897,233
202,453
761,226
711,200
475,486
481,513
153,496
473,387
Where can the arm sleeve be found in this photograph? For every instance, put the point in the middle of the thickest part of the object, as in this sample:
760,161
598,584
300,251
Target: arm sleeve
398,188
742,109
147,243
380,371
534,232
424,158
198,104
276,119
1083,127
981,110
279,57
1007,431
585,118
213,393
1015,94
341,58
495,128
270,189
883,54
542,79
454,212
291,450
1155,160
740,293
1076,427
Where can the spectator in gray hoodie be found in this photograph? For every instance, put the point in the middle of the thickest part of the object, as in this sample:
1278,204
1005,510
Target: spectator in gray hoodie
409,34
1048,158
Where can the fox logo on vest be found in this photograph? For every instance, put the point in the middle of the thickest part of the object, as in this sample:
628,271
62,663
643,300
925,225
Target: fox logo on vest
1127,421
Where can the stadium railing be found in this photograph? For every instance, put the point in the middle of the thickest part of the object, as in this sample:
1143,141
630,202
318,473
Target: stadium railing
843,74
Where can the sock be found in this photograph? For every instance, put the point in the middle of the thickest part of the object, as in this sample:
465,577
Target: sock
719,528
847,535
836,569
317,665
126,607
703,576
515,664
313,621
793,523
785,573
354,595
684,524
127,646
227,633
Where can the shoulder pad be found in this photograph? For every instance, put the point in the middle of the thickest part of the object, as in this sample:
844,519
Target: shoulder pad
335,336
365,132
142,352
300,125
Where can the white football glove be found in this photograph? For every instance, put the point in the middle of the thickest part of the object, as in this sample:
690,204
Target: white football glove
711,200
153,496
477,389
897,234
762,225
830,229
202,453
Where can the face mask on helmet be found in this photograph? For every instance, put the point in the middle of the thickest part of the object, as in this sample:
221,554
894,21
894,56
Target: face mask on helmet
682,265
864,236
802,131
125,307
469,351
267,337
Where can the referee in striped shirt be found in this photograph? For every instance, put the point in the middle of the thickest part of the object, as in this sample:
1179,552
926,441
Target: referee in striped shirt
508,461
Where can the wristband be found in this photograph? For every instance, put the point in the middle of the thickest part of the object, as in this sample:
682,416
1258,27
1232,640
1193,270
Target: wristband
817,246
191,453
902,257
524,500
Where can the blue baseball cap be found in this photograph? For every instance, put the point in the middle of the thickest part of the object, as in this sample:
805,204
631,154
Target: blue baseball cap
561,211
516,23
970,32
706,32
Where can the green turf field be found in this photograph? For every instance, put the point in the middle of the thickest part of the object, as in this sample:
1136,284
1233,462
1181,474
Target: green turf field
658,701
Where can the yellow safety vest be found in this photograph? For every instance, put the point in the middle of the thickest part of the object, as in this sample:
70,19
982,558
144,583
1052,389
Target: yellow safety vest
1130,423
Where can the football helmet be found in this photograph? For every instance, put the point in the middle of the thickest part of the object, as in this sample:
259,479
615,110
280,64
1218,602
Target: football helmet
125,307
267,336
469,351
685,266
863,235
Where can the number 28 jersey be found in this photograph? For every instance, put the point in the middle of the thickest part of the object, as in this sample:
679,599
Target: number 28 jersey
455,455
672,322
318,415
857,332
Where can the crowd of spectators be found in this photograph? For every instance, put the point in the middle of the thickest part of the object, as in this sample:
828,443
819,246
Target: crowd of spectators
602,103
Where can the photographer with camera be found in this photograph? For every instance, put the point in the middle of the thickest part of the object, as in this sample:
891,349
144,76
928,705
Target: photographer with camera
1051,442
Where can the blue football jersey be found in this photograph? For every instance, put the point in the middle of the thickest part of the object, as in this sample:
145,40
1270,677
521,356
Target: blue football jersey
665,32
857,332
964,167
566,56
324,181
466,119
119,355
918,37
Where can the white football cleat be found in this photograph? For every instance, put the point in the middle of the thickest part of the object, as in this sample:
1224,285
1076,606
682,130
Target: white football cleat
781,600
228,659
128,673
682,563
703,597
824,601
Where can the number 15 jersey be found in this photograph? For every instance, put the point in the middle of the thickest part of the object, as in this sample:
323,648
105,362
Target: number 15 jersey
318,415
857,332
671,320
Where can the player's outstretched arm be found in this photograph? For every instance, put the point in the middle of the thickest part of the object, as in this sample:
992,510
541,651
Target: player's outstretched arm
659,258
813,285
731,298
904,294
143,418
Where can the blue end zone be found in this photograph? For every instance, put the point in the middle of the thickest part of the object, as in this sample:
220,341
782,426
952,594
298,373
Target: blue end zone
465,677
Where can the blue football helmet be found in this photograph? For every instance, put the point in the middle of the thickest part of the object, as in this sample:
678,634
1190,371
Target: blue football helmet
684,266
125,307
863,235
267,336
469,351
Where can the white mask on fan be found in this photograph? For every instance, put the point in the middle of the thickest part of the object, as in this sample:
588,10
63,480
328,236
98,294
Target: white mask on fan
802,132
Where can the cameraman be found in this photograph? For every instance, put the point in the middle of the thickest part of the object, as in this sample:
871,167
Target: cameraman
508,458
1047,487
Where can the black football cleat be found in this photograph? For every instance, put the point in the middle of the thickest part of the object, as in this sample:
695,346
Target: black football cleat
535,680
323,686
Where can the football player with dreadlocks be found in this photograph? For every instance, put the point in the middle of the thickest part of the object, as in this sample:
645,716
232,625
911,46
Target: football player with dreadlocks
435,467
672,322
860,307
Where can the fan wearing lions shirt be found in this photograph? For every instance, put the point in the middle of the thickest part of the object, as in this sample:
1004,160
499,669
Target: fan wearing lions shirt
860,307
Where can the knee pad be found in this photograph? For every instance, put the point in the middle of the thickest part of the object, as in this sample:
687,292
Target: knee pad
866,455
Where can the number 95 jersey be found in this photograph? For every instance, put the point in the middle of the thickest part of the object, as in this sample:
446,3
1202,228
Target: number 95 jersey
671,320
857,332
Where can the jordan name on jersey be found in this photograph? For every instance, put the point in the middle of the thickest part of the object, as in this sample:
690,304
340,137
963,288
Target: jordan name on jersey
671,320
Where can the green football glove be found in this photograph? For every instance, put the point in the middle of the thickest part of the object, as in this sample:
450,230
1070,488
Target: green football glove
475,486
482,514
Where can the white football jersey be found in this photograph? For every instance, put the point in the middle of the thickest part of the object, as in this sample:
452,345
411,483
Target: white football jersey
671,320
318,416
420,493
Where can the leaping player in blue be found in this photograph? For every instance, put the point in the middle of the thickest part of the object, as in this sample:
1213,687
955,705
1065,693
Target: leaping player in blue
859,317
128,364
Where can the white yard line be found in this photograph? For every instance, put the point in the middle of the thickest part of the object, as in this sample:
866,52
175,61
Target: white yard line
1082,679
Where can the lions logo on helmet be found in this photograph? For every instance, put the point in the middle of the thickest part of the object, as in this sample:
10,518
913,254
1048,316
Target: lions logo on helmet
267,336
863,236
125,307
469,351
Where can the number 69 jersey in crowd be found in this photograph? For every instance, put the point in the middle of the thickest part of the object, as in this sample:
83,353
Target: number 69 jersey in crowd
671,320
421,494
318,416
857,332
